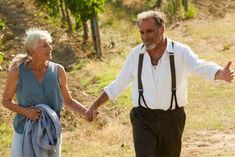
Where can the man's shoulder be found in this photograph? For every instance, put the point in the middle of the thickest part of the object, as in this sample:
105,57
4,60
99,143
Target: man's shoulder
178,47
138,49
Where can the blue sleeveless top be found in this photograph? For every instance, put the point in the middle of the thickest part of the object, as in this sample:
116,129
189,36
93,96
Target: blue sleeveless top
31,92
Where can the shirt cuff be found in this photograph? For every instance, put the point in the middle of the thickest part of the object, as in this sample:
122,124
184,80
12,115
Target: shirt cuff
213,72
109,93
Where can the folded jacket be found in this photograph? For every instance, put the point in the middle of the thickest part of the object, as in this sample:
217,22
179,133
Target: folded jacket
41,137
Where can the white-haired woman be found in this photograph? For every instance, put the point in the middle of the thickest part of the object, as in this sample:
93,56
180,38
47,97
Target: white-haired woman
35,79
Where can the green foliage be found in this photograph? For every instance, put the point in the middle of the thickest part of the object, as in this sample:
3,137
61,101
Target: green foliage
170,11
83,10
2,27
5,136
2,24
51,6
191,12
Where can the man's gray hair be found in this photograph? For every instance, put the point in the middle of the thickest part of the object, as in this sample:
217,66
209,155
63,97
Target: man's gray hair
33,35
157,16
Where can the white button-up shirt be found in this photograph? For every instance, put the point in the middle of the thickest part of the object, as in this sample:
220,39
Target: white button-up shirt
157,80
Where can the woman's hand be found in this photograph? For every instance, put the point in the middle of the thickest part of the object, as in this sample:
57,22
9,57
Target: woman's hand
32,113
91,114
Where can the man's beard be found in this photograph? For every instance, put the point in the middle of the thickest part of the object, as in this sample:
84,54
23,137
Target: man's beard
149,45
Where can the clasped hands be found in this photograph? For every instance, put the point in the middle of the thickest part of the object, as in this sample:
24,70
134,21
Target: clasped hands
91,113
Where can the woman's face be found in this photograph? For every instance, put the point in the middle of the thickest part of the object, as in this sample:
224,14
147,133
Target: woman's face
43,50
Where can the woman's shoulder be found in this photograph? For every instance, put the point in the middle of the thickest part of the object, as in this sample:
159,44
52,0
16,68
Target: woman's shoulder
13,72
56,65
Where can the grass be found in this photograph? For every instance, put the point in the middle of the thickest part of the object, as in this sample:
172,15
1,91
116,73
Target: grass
6,137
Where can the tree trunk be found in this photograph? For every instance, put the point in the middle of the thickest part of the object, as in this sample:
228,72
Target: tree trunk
96,36
177,5
185,4
68,18
158,3
62,11
85,34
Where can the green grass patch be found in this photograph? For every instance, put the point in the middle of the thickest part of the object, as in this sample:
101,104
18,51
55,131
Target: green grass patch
6,139
191,12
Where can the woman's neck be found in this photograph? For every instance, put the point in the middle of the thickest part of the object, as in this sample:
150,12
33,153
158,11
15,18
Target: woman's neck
38,66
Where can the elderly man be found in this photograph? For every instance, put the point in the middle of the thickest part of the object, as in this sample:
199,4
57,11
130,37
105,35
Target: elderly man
158,70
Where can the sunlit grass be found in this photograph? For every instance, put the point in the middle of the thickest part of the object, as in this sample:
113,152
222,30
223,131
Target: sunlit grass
6,137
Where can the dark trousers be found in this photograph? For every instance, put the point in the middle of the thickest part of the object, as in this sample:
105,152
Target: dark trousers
157,133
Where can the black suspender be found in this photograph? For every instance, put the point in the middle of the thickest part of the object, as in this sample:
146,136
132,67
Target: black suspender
140,86
173,80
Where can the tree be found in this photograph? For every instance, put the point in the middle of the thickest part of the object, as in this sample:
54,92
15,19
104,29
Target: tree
185,4
52,6
84,10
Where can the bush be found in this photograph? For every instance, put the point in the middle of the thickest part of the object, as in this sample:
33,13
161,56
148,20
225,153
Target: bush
2,25
191,12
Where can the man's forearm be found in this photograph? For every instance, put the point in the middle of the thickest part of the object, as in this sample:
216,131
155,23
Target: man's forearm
100,100
218,75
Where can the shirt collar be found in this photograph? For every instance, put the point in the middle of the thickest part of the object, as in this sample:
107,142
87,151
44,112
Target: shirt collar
169,47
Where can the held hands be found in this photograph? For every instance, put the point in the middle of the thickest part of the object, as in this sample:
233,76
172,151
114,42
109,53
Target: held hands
91,113
226,74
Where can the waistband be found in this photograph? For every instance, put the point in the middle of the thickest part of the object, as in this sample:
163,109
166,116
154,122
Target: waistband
158,110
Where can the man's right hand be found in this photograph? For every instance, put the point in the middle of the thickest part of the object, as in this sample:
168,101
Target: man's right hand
91,114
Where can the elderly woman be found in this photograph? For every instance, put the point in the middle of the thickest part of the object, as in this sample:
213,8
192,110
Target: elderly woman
36,80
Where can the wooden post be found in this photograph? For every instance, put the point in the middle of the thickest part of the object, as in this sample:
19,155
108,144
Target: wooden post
85,34
68,18
62,11
96,36
159,3
185,4
177,5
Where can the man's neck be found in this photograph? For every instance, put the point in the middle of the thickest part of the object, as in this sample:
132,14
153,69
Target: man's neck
160,48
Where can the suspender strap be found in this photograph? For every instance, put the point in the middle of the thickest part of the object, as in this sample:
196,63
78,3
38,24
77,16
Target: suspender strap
140,86
173,79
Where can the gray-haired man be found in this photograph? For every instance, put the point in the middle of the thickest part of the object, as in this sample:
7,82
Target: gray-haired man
158,70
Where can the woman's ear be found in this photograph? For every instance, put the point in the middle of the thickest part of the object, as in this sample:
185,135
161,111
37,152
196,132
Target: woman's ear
162,29
30,51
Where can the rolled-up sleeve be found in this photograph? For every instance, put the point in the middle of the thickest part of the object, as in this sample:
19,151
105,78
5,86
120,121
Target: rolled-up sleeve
197,66
123,80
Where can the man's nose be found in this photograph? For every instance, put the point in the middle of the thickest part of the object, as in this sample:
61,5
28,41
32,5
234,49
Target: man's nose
144,36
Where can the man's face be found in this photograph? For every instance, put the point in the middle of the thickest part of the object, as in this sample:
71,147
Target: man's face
151,34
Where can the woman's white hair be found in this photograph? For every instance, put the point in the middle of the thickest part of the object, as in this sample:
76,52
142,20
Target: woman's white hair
33,35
